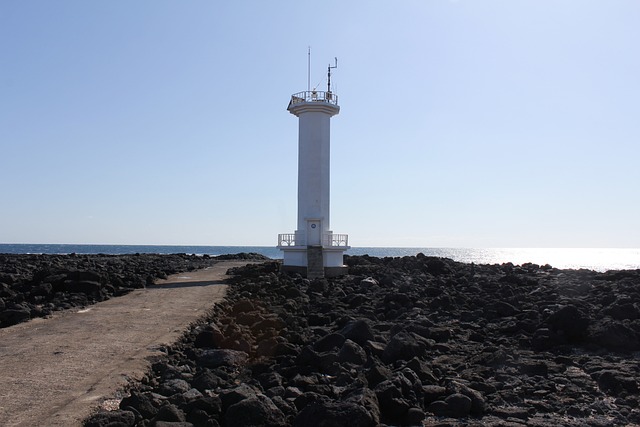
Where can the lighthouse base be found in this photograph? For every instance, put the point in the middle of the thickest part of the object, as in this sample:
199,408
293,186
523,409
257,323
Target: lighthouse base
314,261
303,271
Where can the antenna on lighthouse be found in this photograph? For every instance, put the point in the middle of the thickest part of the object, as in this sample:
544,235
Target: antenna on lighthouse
309,69
329,75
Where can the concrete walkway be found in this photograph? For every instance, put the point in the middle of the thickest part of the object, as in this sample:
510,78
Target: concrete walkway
56,371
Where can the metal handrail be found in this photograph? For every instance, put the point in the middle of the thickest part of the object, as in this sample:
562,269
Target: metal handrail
314,96
329,240
287,239
339,240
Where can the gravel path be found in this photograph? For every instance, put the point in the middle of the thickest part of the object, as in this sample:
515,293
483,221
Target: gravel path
56,371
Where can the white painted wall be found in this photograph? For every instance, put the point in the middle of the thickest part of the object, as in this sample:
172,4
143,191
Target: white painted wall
295,256
314,169
314,130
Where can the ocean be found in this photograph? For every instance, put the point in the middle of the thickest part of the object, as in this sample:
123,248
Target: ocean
598,259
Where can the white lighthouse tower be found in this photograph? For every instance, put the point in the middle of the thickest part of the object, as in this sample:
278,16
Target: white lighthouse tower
314,250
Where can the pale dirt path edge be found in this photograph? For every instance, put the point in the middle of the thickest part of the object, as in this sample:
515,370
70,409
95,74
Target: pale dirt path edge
56,371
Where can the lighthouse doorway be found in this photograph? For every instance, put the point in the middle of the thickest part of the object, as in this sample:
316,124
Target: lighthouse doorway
314,233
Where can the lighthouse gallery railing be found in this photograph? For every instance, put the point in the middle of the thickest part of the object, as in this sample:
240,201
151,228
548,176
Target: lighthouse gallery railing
329,239
314,96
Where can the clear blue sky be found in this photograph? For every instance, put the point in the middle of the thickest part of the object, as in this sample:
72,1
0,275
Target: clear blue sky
469,123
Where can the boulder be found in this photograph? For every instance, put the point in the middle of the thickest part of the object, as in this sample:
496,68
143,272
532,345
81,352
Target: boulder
85,275
140,402
169,412
329,342
414,417
404,346
6,291
478,403
13,316
368,282
366,398
358,331
209,337
118,418
615,382
436,266
43,289
456,405
174,386
83,287
377,373
623,310
213,358
212,406
198,418
422,371
350,352
439,408
432,393
207,380
504,309
256,411
243,306
570,322
237,394
393,405
614,335
335,414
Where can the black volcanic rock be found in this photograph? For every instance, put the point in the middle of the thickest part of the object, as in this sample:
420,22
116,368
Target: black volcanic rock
570,322
17,314
615,335
407,341
335,414
358,331
35,285
254,411
214,358
142,403
404,346
112,419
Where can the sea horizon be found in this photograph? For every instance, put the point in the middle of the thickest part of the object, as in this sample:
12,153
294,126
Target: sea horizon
598,259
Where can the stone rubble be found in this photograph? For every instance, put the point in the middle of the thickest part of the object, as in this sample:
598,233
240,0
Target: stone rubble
37,285
403,341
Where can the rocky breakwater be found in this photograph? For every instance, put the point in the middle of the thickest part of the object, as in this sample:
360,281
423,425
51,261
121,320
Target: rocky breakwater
404,341
37,285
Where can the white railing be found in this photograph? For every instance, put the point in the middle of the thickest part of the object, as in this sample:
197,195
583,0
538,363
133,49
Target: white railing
338,239
314,96
287,239
328,240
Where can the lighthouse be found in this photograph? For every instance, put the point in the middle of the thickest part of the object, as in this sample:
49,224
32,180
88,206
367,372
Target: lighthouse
313,249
